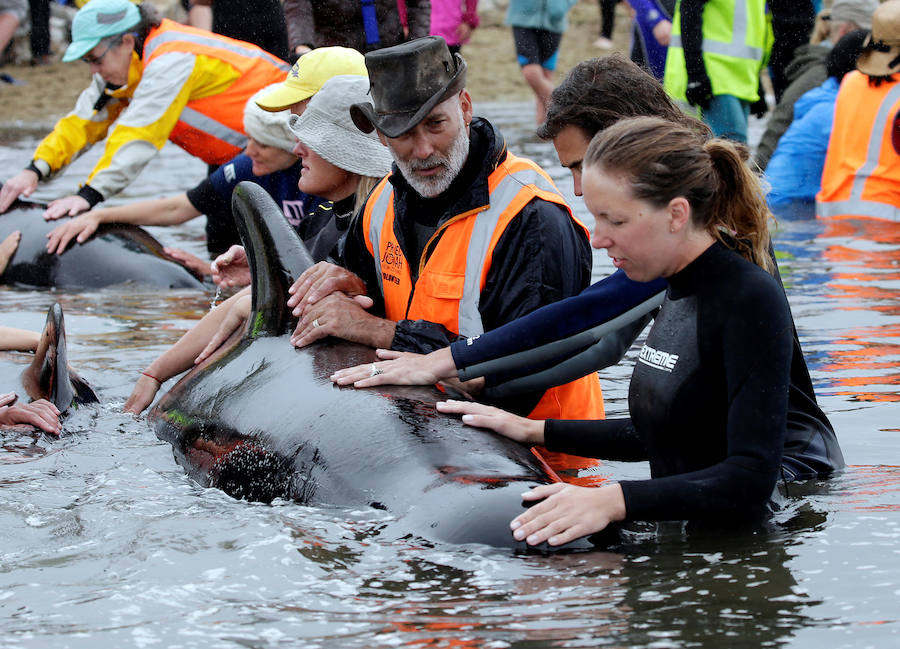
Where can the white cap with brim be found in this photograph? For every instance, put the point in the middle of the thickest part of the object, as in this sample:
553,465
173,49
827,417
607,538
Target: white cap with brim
326,128
99,19
267,127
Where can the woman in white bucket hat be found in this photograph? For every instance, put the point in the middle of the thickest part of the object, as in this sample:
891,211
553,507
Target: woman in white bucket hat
341,164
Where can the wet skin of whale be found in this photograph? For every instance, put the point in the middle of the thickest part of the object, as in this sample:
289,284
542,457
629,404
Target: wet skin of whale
115,254
262,420
48,375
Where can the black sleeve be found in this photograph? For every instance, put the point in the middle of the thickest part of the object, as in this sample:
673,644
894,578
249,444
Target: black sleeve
88,193
221,231
609,439
205,199
692,35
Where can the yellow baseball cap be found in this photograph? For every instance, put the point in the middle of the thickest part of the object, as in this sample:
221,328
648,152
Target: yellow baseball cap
310,73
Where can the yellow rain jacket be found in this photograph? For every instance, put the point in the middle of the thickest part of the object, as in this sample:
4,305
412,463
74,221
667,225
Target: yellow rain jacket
189,86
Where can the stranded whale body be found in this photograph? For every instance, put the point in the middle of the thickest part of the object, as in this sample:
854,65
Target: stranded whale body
49,376
115,254
262,420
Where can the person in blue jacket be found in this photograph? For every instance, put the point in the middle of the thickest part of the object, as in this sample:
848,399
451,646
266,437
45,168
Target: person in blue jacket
538,27
652,33
594,329
794,172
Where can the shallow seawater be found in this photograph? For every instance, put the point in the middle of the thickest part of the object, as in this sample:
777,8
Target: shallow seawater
105,542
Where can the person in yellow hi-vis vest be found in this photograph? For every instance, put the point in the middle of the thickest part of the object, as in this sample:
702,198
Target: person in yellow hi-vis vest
462,236
861,177
714,60
153,80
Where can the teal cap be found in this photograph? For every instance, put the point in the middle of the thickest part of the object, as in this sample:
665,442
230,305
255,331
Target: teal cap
98,19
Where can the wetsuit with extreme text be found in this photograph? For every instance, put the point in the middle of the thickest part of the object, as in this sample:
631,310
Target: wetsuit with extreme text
708,396
593,330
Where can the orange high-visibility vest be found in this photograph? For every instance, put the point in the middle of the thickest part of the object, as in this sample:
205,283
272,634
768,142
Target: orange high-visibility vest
861,177
451,280
211,126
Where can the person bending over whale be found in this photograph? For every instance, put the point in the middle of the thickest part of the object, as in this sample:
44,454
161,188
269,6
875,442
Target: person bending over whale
153,80
594,329
708,398
341,164
267,161
461,238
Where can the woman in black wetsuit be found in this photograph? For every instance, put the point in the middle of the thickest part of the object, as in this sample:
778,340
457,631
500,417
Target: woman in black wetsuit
709,394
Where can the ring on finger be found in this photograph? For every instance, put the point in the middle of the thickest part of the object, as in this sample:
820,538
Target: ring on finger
315,323
375,371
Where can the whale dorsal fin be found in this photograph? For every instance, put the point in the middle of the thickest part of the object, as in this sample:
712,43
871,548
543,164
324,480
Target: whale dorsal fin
276,256
49,375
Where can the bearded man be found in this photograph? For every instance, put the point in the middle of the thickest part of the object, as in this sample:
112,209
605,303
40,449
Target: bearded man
460,238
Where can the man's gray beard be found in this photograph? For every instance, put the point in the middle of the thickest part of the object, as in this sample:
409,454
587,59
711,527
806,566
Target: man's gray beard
432,186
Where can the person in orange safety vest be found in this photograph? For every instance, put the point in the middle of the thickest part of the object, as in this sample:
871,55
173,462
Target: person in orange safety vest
462,237
153,80
861,177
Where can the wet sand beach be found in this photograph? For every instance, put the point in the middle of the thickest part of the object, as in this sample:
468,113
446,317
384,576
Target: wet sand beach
50,91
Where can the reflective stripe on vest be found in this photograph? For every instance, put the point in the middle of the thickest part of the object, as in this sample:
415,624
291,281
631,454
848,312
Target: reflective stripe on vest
207,124
211,126
486,221
855,204
738,47
383,197
731,62
232,45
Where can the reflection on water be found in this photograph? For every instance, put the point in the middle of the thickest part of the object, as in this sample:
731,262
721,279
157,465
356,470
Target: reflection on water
104,541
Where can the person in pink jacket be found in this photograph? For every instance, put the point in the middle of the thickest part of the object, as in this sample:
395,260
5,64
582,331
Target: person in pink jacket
454,21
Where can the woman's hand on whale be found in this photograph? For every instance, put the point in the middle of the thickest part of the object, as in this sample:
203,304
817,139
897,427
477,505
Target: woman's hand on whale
24,183
237,315
231,268
67,206
81,228
520,429
399,368
41,414
567,512
193,263
142,395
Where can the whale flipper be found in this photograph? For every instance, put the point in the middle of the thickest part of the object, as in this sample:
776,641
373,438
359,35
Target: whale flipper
49,375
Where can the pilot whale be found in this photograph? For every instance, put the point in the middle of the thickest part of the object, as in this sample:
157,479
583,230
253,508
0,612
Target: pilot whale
48,375
117,253
261,419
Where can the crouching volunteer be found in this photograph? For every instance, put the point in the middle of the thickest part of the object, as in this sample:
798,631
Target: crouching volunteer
153,80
